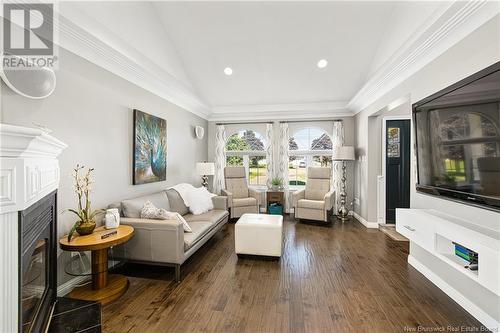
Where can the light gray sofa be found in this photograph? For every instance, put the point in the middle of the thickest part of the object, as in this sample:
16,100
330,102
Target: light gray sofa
164,242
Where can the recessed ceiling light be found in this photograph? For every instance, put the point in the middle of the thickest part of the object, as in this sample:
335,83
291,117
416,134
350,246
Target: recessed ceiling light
228,71
322,63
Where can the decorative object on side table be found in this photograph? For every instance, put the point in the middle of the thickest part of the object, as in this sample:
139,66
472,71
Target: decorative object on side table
205,169
150,148
277,183
86,223
105,288
344,154
112,218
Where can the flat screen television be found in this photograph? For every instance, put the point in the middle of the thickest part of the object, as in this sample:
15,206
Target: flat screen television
457,135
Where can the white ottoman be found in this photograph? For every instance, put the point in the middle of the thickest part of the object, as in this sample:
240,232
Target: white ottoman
259,234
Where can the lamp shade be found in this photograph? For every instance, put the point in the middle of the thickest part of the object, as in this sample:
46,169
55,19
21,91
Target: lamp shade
343,153
205,168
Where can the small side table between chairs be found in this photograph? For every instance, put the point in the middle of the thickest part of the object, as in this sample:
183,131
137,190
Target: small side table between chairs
275,197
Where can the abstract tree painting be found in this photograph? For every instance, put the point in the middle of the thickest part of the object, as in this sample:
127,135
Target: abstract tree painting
150,148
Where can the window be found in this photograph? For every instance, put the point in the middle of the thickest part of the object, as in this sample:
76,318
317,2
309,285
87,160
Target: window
308,147
246,148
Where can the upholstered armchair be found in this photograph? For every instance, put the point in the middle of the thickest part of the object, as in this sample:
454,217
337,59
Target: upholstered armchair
240,198
316,201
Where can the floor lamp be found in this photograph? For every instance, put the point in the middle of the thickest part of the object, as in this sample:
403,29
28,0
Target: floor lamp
344,154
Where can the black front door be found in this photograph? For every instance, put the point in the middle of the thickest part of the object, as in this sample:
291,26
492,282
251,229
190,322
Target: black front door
397,167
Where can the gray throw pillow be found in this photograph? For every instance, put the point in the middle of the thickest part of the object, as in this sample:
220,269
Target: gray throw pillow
176,203
132,207
149,211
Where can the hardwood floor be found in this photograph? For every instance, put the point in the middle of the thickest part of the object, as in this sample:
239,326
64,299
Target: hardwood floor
343,278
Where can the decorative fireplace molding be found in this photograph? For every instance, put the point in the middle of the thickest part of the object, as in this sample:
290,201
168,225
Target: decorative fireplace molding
29,170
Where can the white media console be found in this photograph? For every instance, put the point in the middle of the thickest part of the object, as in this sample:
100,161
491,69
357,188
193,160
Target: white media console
436,233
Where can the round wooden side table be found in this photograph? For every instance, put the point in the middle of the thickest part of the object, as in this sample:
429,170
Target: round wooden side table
104,288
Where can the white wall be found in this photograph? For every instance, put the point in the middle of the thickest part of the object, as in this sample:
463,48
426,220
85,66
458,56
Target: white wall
475,52
91,111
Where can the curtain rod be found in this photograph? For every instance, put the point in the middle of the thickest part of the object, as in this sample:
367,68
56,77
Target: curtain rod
309,121
246,123
283,121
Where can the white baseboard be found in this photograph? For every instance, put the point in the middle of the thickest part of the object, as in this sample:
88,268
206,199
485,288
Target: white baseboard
364,222
470,307
68,286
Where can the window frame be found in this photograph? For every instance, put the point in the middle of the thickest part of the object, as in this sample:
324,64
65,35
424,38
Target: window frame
308,154
247,154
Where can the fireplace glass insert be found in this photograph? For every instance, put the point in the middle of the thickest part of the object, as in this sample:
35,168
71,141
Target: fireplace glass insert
38,264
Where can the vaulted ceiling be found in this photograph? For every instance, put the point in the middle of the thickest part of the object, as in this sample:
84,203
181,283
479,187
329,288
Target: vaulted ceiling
179,50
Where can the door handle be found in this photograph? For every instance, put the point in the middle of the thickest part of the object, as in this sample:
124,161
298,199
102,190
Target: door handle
409,228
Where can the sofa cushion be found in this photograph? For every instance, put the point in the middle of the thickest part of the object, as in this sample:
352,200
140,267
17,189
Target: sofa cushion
132,207
212,216
176,202
199,229
311,204
243,202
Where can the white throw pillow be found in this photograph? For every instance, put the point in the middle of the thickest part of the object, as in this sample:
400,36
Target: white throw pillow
200,200
149,211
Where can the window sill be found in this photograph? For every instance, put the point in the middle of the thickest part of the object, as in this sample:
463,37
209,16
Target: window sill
262,188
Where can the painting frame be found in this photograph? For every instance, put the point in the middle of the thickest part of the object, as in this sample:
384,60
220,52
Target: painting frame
151,131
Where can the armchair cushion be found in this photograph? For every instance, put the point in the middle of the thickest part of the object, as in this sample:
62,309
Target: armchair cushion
318,173
315,194
311,204
235,172
236,181
238,186
317,188
243,202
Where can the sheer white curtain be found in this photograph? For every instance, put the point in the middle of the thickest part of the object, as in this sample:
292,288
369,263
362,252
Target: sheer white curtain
283,159
220,158
270,154
337,141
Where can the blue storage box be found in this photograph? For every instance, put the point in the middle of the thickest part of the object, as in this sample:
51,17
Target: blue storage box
275,209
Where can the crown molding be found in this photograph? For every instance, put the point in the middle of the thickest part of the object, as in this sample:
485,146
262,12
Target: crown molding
85,37
280,111
449,24
80,34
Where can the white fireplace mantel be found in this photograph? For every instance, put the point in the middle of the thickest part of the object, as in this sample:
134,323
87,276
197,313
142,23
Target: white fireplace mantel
29,167
29,170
